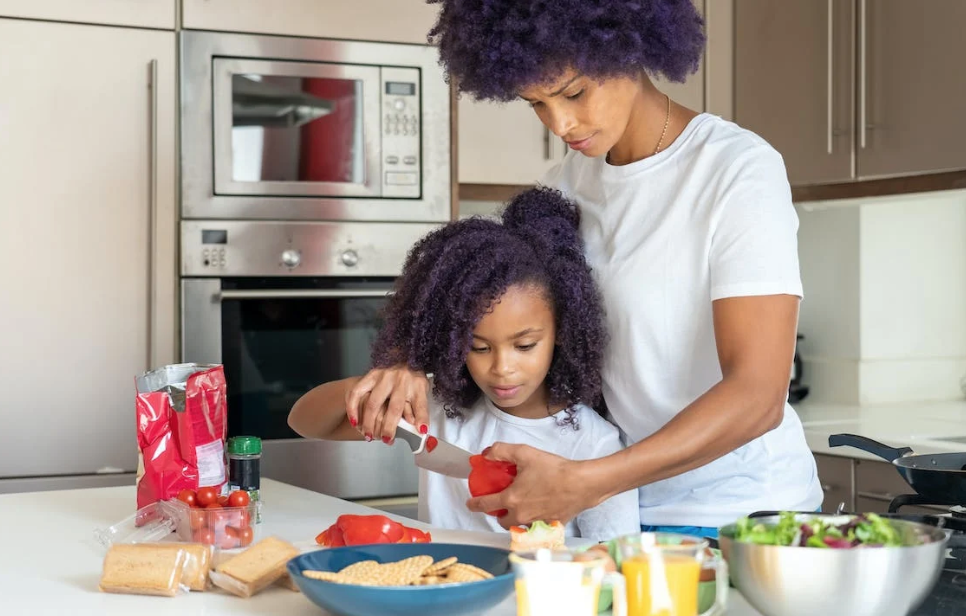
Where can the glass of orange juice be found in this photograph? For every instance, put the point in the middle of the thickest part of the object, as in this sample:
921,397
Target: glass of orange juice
563,582
661,573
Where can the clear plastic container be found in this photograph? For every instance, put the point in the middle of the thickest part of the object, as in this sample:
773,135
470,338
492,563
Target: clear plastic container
224,527
147,525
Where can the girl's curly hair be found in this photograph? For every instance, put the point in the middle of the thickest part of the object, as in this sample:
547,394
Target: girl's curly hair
495,48
453,276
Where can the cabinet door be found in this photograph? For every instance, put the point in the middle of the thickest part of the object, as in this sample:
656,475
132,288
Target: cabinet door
912,91
504,143
87,231
835,473
138,13
793,83
402,21
877,483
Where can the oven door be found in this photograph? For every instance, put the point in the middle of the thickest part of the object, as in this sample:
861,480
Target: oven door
296,128
278,338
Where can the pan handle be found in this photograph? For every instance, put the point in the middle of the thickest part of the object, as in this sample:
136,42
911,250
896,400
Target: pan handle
866,444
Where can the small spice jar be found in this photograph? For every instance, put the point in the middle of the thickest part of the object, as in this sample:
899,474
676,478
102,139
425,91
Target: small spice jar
244,466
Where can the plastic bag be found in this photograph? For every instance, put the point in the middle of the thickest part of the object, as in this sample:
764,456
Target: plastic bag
182,423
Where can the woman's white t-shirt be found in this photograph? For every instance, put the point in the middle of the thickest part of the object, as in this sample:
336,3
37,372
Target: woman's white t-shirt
442,499
710,217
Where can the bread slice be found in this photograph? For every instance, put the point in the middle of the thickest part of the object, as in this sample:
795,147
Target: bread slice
538,535
197,565
255,568
143,569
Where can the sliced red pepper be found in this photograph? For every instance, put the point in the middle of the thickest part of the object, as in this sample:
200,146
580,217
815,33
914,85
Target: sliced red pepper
366,529
331,537
419,536
489,477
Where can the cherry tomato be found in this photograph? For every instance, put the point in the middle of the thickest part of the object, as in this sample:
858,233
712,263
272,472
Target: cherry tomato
188,497
227,542
238,498
205,536
214,506
245,536
198,519
223,501
207,496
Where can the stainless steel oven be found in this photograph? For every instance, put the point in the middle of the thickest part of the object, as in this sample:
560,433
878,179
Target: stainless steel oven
287,128
285,306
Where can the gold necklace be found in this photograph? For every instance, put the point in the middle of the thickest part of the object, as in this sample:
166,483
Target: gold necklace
667,118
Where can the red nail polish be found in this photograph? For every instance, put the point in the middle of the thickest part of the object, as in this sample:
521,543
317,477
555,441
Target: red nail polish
487,450
431,444
386,440
368,438
353,422
423,428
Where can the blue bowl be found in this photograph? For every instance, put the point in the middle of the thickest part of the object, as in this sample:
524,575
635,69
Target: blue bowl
435,600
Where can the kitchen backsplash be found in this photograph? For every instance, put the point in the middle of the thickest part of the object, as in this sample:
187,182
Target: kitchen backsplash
884,314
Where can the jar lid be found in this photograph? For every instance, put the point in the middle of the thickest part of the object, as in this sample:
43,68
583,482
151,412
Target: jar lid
245,445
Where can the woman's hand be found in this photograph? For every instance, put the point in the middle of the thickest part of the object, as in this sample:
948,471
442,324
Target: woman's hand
547,487
378,400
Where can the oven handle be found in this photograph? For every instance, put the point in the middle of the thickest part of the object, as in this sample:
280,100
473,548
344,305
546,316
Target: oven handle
299,294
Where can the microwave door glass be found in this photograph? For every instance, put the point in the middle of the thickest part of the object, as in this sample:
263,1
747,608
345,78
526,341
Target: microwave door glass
297,129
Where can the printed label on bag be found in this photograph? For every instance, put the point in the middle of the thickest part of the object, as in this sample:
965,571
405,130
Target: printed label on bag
211,463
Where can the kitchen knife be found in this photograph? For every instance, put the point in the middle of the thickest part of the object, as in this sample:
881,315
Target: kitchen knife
445,458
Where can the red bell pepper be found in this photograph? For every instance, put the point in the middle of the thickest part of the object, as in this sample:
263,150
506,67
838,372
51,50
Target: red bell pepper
368,529
489,477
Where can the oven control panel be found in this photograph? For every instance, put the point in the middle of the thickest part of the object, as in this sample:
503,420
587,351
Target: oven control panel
401,132
223,249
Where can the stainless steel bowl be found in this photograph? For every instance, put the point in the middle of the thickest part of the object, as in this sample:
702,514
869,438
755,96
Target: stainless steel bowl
796,581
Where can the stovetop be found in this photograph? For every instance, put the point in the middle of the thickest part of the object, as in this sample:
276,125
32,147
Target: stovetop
948,597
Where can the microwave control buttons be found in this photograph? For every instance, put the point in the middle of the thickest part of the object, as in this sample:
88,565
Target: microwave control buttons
394,160
213,257
291,258
350,258
399,104
409,160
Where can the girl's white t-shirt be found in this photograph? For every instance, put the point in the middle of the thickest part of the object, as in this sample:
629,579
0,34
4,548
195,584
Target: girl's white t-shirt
710,217
442,499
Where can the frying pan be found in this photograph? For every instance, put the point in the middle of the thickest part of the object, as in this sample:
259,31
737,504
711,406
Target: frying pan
939,477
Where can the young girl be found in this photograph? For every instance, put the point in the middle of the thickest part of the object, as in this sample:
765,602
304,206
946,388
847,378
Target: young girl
508,320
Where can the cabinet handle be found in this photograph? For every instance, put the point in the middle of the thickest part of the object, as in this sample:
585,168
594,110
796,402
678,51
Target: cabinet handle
862,73
829,85
152,207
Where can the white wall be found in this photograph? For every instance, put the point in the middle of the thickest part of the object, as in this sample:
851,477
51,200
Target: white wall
885,298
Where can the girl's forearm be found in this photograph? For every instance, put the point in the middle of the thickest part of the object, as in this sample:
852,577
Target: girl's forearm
320,413
722,420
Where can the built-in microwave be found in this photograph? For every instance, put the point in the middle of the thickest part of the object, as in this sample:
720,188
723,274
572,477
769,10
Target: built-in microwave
281,128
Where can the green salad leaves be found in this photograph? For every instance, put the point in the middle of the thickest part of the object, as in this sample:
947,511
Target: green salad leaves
866,530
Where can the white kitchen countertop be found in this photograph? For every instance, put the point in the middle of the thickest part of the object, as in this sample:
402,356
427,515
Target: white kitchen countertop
923,426
51,562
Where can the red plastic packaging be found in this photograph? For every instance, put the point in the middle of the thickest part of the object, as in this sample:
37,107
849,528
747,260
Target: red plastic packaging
182,424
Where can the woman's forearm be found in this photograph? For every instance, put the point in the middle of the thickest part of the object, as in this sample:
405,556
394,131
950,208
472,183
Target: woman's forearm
320,413
729,415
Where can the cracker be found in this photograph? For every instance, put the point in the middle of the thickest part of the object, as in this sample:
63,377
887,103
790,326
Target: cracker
429,580
468,569
404,572
438,567
325,576
362,569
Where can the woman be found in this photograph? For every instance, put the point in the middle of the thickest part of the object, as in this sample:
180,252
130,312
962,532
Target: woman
688,225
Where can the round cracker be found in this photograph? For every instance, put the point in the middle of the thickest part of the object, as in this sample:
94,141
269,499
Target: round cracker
439,566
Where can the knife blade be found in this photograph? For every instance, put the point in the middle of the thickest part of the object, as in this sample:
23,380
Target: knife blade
445,458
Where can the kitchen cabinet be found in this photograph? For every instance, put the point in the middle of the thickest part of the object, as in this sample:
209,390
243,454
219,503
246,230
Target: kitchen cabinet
853,89
837,477
400,21
137,13
87,239
505,143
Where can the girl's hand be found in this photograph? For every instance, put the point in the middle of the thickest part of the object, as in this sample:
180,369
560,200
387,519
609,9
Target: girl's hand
378,400
547,487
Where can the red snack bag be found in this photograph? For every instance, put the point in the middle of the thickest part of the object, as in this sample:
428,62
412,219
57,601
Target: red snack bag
182,423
